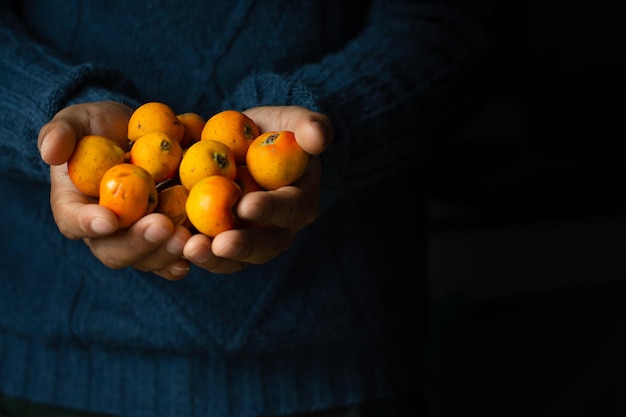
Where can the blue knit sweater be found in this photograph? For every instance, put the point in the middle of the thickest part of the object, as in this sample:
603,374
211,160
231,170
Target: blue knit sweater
330,322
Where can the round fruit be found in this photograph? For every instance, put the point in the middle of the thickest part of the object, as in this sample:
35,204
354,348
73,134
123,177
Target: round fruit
275,159
154,117
234,129
172,203
194,123
205,158
91,158
129,191
158,153
245,181
211,205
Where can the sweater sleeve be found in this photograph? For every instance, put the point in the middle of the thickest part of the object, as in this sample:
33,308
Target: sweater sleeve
391,91
34,85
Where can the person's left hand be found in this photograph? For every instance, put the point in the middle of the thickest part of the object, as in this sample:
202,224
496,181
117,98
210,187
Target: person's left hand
277,215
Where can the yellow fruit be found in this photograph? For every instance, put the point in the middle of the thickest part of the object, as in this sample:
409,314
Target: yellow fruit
172,203
211,204
129,191
206,158
234,129
194,123
275,159
92,157
154,117
158,153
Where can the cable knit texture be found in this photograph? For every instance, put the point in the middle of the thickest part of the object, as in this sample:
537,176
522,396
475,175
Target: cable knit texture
327,323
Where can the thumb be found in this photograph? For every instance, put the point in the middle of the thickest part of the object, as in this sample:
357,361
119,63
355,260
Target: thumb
314,133
56,142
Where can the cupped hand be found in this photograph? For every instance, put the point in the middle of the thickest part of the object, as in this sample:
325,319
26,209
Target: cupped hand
276,216
152,243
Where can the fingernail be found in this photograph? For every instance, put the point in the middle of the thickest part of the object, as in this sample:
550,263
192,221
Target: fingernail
232,251
178,271
201,255
253,212
101,226
44,147
175,246
156,233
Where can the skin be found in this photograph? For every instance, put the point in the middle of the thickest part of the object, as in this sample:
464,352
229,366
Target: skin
153,243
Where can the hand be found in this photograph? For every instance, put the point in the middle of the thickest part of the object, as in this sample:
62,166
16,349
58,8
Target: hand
277,215
151,244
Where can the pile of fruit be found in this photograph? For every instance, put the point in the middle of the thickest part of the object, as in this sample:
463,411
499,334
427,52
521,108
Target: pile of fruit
193,171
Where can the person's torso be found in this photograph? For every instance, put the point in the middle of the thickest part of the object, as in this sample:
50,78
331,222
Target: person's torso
192,54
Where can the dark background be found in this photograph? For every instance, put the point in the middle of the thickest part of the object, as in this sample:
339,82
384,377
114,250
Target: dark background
528,229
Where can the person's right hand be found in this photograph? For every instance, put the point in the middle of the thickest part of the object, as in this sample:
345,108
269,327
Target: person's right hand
152,243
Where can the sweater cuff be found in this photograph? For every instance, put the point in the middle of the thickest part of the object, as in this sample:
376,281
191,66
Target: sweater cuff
89,83
272,90
85,83
90,94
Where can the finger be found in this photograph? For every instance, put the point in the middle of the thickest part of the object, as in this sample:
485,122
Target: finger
57,138
253,245
313,131
290,207
127,247
168,253
56,141
198,250
76,215
175,271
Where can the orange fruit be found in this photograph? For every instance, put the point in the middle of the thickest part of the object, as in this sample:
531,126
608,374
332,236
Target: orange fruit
211,205
92,157
205,158
158,153
154,116
233,128
171,202
275,159
194,123
129,191
245,181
